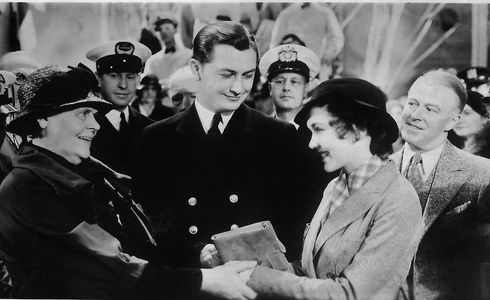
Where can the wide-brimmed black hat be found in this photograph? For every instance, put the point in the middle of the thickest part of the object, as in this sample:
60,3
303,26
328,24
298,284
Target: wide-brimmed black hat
52,90
367,96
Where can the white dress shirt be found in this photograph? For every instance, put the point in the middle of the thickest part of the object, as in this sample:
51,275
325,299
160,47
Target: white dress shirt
206,117
114,116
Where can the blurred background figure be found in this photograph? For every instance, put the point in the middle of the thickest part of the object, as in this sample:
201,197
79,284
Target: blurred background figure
476,79
474,126
21,63
9,143
182,89
263,101
7,150
322,33
172,56
148,99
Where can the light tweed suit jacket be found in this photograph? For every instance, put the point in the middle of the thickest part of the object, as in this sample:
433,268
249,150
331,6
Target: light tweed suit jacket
446,264
366,245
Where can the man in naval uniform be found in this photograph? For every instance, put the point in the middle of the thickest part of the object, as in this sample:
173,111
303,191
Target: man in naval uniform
289,68
118,65
219,164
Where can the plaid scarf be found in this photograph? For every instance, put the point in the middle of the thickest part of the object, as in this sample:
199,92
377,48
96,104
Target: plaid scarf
346,186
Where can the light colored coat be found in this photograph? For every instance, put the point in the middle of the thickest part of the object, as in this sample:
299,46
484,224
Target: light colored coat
366,245
457,207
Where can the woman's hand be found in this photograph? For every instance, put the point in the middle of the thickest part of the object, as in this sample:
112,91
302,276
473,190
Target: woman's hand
226,281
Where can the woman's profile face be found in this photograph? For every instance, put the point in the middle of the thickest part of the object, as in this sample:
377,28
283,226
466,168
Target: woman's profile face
336,152
470,123
69,134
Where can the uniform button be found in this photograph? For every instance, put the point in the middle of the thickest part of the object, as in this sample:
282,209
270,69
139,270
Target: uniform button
192,201
193,229
233,198
234,226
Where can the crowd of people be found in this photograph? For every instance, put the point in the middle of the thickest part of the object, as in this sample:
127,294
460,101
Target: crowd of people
112,185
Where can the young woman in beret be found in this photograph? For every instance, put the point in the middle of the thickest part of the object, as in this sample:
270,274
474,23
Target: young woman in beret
363,236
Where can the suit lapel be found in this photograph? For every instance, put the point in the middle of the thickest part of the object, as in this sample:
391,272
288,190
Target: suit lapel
356,204
397,159
309,243
448,178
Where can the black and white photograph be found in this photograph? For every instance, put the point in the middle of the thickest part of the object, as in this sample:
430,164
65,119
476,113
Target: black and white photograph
245,150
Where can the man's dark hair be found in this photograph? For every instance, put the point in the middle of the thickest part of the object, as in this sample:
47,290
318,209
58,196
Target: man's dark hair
159,22
221,33
352,117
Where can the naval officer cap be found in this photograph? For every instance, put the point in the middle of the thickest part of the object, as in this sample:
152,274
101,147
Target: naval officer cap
289,58
474,76
119,56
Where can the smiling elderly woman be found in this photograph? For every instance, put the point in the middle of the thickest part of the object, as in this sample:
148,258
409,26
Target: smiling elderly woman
67,228
364,233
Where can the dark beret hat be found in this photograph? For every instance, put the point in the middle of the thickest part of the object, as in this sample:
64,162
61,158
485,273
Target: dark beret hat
368,98
476,103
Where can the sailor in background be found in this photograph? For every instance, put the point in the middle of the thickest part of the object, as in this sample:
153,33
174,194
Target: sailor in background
119,64
288,69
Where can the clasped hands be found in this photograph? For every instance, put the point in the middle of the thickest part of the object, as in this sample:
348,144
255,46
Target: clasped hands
229,280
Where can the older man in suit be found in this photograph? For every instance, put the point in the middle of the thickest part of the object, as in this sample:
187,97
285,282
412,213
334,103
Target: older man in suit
453,187
219,164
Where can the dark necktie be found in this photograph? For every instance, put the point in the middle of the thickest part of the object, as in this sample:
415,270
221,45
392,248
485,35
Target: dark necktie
214,130
415,177
123,126
169,50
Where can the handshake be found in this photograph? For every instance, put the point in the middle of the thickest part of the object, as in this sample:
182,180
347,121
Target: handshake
229,262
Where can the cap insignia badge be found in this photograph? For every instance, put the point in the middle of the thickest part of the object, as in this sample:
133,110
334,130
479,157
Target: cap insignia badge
471,73
287,54
124,48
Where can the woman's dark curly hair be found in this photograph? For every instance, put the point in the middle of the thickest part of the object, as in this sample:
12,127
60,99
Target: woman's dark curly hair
352,117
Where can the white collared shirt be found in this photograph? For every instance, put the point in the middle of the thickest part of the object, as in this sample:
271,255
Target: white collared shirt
206,117
114,116
429,159
274,115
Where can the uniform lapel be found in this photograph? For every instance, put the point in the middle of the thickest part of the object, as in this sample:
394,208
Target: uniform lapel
190,122
356,204
448,178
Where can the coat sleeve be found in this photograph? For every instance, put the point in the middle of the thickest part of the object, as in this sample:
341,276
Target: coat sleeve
133,277
387,248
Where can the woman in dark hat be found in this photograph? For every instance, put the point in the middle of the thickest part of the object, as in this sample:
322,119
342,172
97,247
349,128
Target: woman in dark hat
67,227
148,100
474,125
363,236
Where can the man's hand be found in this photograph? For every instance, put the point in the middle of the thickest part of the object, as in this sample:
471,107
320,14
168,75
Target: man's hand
209,257
225,281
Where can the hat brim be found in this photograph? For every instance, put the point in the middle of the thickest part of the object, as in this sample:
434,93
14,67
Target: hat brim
24,122
390,125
